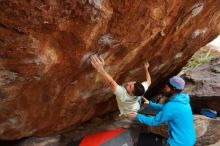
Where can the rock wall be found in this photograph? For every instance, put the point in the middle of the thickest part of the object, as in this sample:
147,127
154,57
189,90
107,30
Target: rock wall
46,82
203,86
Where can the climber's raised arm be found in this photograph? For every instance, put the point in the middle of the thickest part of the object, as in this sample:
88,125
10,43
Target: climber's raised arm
98,64
148,78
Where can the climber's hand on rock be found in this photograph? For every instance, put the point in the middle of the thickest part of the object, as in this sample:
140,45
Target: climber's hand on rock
132,115
97,62
146,65
146,102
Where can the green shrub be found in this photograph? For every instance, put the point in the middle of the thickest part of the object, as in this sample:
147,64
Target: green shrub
199,58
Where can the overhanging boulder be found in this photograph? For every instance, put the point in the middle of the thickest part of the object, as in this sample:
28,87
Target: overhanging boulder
46,82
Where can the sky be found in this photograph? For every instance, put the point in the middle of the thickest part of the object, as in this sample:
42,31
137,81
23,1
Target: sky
216,42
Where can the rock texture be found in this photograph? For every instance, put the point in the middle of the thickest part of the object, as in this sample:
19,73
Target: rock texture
46,82
207,131
203,86
45,141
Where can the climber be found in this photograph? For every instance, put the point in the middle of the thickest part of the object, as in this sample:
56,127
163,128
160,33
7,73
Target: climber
127,96
176,111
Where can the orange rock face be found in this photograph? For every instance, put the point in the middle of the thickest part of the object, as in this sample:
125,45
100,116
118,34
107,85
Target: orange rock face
46,82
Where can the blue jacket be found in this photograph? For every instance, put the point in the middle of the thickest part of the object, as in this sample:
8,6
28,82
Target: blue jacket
177,112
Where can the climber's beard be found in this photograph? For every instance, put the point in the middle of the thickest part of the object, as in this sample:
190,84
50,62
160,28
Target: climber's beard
167,92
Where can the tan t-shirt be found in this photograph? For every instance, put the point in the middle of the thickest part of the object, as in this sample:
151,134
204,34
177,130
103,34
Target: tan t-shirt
127,103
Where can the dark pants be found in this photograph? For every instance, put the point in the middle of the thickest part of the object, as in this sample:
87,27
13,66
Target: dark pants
166,144
151,140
